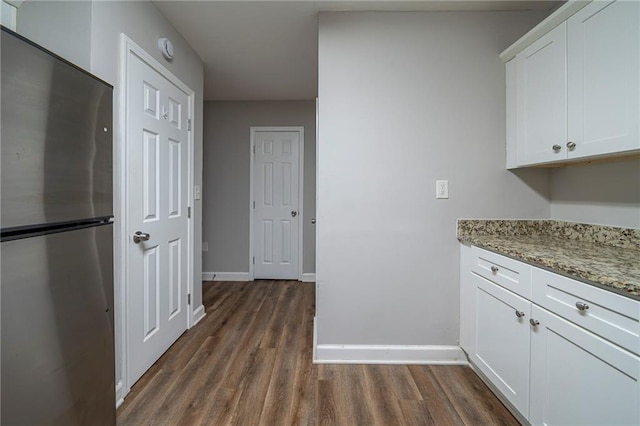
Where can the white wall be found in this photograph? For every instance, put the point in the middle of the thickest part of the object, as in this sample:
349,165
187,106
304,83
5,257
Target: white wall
405,99
144,24
226,177
64,27
602,194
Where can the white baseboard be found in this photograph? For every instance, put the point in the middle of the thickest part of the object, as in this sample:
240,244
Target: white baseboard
308,277
389,354
119,394
198,314
226,276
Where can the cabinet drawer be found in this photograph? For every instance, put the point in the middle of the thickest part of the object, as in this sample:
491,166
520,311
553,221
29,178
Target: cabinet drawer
508,273
611,316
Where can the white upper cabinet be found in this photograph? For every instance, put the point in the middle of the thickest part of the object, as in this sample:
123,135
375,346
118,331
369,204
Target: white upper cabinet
603,76
577,87
541,73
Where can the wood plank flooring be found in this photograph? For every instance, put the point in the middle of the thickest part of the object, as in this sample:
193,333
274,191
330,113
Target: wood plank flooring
249,362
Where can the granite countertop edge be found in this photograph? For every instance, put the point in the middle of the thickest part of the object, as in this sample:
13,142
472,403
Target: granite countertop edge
605,266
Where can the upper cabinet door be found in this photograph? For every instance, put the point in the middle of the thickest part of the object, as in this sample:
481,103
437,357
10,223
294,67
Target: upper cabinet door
542,99
603,75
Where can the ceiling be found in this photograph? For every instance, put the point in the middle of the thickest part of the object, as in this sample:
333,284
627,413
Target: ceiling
267,50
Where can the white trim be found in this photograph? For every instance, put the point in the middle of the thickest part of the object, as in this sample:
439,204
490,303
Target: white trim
129,47
300,130
119,394
315,339
198,314
308,277
552,21
389,354
9,15
226,276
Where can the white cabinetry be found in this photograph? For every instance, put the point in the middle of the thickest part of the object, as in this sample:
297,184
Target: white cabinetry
578,378
541,71
577,86
558,350
603,40
502,341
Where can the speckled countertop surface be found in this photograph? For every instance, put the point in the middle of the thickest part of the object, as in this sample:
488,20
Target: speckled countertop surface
605,256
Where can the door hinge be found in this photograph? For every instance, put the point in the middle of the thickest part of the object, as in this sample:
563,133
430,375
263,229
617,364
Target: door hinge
188,299
254,148
189,124
254,260
189,212
254,204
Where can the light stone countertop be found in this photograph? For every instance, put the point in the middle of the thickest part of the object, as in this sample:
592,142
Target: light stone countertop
605,256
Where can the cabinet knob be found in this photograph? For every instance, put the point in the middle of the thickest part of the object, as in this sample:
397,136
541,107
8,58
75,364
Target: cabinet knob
495,269
534,322
556,148
571,145
519,314
582,306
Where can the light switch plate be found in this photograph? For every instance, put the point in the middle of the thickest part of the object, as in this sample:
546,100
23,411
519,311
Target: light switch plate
442,189
196,192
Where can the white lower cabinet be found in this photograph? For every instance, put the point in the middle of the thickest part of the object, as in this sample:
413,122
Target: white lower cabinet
578,378
502,341
565,356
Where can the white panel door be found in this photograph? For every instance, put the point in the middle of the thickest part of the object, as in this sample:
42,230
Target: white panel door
157,180
542,99
276,172
578,378
604,76
502,341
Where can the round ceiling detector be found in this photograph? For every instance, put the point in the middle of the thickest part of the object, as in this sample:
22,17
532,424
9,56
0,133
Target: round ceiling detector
166,47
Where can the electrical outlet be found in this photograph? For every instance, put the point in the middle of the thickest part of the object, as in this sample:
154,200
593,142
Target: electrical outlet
442,189
205,246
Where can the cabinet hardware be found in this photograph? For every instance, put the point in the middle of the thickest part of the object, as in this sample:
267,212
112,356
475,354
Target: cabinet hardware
519,314
534,322
582,306
571,145
495,269
556,148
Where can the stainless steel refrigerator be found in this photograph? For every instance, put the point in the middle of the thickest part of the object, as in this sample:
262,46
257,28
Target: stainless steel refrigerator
56,291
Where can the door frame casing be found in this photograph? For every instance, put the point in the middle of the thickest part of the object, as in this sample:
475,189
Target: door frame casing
252,140
121,206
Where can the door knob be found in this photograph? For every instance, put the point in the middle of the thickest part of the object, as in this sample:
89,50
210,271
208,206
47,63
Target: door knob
294,213
140,236
313,220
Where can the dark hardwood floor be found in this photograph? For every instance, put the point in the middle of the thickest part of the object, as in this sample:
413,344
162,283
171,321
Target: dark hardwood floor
249,362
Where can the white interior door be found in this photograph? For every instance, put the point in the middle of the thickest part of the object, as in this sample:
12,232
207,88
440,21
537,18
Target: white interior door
276,182
157,187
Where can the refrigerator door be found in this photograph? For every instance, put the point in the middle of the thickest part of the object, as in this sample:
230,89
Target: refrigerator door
56,139
57,329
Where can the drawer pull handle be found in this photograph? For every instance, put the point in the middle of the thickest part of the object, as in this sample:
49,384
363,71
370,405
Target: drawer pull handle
519,314
582,306
495,269
534,322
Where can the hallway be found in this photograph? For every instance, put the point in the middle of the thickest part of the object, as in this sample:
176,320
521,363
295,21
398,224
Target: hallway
250,362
